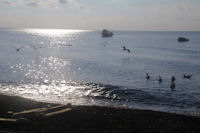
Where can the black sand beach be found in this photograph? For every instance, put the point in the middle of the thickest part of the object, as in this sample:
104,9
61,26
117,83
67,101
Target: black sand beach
45,117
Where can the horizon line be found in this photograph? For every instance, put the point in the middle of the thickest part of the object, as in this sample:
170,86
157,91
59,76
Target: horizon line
100,29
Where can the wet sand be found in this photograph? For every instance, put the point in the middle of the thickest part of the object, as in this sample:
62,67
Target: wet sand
23,116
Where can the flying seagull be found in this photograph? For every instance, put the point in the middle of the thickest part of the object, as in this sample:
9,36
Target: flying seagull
18,49
126,49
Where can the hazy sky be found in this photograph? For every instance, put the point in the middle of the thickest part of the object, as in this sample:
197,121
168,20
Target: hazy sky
99,14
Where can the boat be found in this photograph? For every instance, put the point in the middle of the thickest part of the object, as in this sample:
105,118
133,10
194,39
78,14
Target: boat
182,39
106,33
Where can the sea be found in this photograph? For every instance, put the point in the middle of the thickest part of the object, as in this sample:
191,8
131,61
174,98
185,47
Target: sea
83,68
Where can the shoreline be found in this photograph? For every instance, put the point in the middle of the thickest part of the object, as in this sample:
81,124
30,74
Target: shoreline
23,115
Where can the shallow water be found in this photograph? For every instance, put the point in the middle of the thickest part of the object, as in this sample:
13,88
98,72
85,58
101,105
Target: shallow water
81,67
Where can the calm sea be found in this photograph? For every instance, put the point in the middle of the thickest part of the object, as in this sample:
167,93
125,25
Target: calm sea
83,68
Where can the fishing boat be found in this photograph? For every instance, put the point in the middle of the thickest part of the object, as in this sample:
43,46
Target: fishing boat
182,39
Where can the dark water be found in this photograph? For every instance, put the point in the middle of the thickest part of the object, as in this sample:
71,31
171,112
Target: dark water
81,67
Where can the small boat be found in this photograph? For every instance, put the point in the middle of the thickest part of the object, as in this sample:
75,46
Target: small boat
106,33
182,39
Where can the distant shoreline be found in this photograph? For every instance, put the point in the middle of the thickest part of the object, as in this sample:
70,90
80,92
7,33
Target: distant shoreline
48,117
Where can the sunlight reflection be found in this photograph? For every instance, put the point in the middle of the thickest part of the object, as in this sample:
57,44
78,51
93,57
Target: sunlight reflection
59,91
55,38
45,69
52,32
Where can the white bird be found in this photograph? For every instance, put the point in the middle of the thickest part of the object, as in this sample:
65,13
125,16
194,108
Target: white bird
18,49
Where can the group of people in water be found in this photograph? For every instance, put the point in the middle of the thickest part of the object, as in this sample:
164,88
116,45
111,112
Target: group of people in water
173,85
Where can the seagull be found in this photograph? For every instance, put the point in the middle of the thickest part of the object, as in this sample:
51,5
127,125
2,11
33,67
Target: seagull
125,49
18,49
147,76
187,76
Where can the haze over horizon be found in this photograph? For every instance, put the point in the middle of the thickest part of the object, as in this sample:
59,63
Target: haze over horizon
149,15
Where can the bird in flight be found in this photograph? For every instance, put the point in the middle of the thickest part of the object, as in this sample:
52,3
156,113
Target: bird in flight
126,49
18,49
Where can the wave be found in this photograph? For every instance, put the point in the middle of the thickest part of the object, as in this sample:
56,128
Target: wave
83,93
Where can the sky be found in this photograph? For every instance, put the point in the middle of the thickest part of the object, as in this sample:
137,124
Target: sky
142,15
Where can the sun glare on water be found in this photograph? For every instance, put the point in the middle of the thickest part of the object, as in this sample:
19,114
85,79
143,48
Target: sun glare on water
52,38
52,32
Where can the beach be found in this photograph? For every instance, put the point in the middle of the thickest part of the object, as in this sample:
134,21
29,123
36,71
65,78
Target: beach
22,115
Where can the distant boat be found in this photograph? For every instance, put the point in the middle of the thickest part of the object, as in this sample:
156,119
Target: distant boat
182,39
106,33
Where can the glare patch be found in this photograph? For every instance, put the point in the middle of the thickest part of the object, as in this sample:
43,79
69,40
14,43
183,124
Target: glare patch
46,68
52,32
58,91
